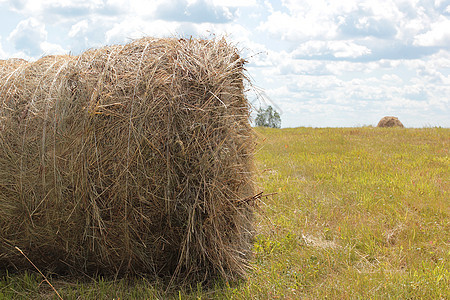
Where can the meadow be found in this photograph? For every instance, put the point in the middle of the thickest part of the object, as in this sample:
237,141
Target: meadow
350,213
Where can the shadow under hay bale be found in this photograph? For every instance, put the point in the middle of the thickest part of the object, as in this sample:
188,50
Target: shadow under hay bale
390,122
128,159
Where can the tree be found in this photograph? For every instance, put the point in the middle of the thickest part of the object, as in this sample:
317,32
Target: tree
268,118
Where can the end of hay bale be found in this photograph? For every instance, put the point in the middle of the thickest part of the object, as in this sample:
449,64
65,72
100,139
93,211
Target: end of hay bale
390,121
128,159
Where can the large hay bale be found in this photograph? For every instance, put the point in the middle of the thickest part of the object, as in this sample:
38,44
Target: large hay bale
134,158
390,122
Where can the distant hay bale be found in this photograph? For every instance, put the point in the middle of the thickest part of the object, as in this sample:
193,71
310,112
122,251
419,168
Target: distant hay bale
132,158
390,122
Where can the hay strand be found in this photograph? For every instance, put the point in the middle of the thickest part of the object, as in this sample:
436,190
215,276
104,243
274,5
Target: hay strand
43,276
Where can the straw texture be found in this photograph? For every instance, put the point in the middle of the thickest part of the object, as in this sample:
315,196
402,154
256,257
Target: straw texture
133,158
390,122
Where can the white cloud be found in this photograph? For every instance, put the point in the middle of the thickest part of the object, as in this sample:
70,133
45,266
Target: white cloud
234,3
52,49
322,8
439,60
28,36
392,79
337,49
437,35
132,28
65,13
29,39
79,28
296,28
321,19
2,53
198,11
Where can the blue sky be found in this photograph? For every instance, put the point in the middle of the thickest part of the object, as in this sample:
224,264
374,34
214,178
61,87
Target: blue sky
321,63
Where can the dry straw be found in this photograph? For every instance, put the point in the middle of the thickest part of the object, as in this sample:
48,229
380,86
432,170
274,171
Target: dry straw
128,159
390,122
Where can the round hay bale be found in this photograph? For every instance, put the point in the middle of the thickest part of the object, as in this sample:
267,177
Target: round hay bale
132,158
390,122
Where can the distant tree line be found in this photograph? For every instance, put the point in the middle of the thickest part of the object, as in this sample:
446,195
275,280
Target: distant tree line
268,118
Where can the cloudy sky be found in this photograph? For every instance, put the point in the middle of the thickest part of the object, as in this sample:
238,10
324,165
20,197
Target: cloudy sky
319,62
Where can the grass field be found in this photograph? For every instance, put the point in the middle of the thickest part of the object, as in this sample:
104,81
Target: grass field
358,213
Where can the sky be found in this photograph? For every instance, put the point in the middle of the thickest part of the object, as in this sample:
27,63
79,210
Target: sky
320,63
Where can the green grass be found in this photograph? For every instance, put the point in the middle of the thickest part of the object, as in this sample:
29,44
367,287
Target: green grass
359,213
